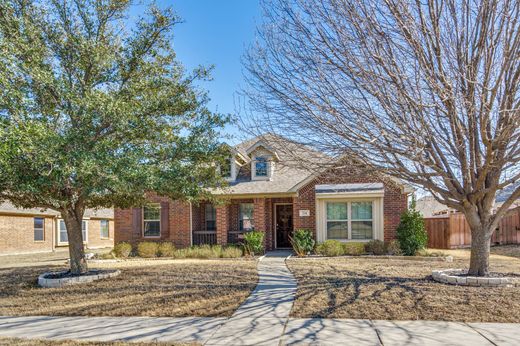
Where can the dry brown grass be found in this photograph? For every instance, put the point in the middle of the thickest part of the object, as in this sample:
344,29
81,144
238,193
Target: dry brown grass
148,288
400,290
33,342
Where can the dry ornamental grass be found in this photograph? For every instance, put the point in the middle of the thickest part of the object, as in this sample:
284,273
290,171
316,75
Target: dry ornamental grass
174,288
400,290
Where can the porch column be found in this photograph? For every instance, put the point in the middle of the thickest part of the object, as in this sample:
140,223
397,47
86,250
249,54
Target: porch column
222,223
260,221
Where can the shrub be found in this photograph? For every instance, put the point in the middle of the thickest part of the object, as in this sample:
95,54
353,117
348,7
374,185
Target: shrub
330,248
393,248
109,255
180,253
353,248
147,249
231,252
302,242
122,250
375,247
254,243
411,232
166,249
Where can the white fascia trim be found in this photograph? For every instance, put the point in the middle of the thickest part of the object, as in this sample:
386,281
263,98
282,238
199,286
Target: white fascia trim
360,194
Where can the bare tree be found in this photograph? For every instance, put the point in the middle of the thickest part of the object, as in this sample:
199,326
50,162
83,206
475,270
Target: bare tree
426,91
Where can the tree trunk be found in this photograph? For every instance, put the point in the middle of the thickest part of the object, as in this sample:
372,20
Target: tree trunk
480,243
78,264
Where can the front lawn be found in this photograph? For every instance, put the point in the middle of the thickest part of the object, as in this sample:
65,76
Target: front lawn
400,290
172,288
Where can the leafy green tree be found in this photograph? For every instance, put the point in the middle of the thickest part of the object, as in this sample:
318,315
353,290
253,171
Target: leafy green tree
411,232
95,114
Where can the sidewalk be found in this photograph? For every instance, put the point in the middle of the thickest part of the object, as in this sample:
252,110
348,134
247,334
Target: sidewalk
206,331
263,319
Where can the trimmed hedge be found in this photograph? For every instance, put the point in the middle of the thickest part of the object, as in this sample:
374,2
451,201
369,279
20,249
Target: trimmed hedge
330,248
122,250
147,249
353,248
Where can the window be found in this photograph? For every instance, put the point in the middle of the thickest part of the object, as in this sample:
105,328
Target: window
39,229
246,219
103,226
362,224
261,167
225,169
350,220
211,217
152,220
337,220
63,237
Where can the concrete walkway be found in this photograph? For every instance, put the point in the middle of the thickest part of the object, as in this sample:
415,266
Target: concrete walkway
263,319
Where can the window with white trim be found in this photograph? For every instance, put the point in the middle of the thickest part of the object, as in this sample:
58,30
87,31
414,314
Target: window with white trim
62,231
39,229
211,217
261,165
104,229
350,220
152,220
246,217
226,170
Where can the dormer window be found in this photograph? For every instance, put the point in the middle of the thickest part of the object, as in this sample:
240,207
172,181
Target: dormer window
261,167
226,169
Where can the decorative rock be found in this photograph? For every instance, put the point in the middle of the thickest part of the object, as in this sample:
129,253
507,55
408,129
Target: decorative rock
45,281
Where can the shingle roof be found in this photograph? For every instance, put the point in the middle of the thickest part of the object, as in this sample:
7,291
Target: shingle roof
288,171
7,207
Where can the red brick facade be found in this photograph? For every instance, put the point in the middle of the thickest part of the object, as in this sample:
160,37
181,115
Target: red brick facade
175,222
175,215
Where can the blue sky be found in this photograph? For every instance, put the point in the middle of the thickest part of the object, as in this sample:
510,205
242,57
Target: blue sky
215,32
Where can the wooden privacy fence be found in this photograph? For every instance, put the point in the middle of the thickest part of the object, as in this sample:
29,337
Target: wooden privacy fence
452,231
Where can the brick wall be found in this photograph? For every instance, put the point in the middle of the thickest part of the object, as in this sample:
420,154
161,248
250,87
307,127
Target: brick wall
395,202
175,222
128,222
94,234
17,234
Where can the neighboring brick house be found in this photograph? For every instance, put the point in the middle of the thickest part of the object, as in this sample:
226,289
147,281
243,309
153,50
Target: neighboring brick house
268,192
36,230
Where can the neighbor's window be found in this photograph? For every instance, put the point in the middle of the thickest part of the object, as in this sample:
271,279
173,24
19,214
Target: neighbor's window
350,220
39,229
104,228
225,169
246,219
152,220
261,167
337,220
63,237
211,217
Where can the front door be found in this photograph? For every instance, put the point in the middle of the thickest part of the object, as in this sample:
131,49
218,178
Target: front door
283,224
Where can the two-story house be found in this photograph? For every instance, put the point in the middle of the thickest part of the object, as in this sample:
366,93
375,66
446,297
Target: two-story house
268,192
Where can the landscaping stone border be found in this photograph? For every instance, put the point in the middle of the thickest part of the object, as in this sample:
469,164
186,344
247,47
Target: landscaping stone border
452,277
44,281
388,257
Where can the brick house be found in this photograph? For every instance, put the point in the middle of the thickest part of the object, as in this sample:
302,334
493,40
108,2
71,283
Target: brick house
36,230
267,192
